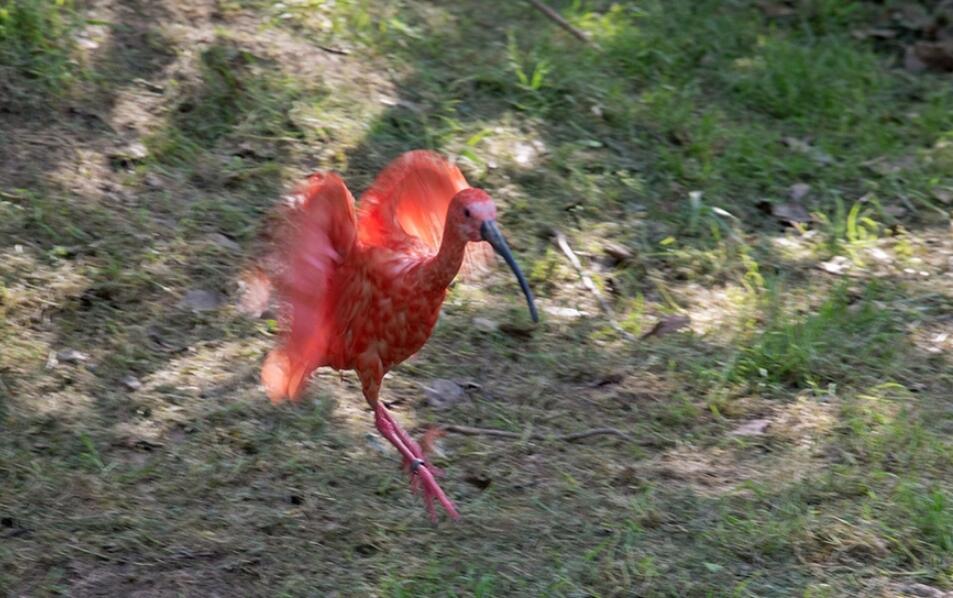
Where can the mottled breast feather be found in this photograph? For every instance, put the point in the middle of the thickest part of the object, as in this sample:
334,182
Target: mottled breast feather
380,309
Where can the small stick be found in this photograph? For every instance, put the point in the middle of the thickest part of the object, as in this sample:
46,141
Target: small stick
573,437
559,20
563,244
333,50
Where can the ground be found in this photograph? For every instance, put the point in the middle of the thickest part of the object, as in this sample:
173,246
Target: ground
760,191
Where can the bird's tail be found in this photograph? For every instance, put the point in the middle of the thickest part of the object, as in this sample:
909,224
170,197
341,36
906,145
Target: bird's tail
317,234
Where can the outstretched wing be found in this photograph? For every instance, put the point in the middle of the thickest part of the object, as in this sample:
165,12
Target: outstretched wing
318,233
409,200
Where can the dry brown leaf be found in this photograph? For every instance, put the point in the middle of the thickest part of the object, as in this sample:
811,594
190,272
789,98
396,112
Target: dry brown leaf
803,147
913,16
895,210
944,195
936,56
486,324
668,325
790,211
798,191
874,33
443,394
775,10
220,240
200,300
131,382
886,166
617,252
838,265
912,62
755,427
71,356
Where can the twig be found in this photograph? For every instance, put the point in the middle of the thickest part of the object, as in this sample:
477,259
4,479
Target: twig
333,50
563,244
471,431
559,20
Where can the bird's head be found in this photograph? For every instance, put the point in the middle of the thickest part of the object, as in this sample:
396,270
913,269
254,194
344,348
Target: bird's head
472,215
469,209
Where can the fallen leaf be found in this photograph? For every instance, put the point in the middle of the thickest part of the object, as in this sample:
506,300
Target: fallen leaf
944,195
131,382
607,379
486,324
912,62
617,252
775,10
129,154
525,154
790,211
895,210
442,394
668,325
480,480
838,265
879,255
798,191
875,33
937,56
924,591
158,339
570,313
224,242
913,16
803,147
516,330
886,166
200,300
71,356
755,427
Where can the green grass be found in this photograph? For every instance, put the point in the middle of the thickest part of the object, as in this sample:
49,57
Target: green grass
671,137
827,346
36,44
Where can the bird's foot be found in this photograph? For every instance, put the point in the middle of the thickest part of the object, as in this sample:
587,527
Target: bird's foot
422,474
422,480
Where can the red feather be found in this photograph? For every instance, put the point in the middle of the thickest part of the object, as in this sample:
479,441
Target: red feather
319,234
409,200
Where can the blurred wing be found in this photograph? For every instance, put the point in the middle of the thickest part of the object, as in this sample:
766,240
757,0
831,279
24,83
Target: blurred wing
318,233
409,200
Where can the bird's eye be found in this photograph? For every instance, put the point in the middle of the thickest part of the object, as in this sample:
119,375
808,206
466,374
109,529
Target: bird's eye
466,212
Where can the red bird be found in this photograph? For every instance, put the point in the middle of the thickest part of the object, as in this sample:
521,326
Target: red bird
363,292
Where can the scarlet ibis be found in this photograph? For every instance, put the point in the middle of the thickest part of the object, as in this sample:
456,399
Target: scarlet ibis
362,291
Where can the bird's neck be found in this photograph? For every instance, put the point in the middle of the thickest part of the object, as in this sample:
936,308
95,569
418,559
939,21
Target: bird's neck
439,271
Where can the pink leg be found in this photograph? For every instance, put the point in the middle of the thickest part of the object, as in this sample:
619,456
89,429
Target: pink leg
418,467
422,474
411,444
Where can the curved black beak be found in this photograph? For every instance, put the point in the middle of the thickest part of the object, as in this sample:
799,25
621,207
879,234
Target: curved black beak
492,235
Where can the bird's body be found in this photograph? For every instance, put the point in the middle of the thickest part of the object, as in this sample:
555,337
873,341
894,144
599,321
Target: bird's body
388,283
363,291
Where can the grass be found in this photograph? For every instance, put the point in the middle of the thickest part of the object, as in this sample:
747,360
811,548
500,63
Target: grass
825,347
793,439
36,43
